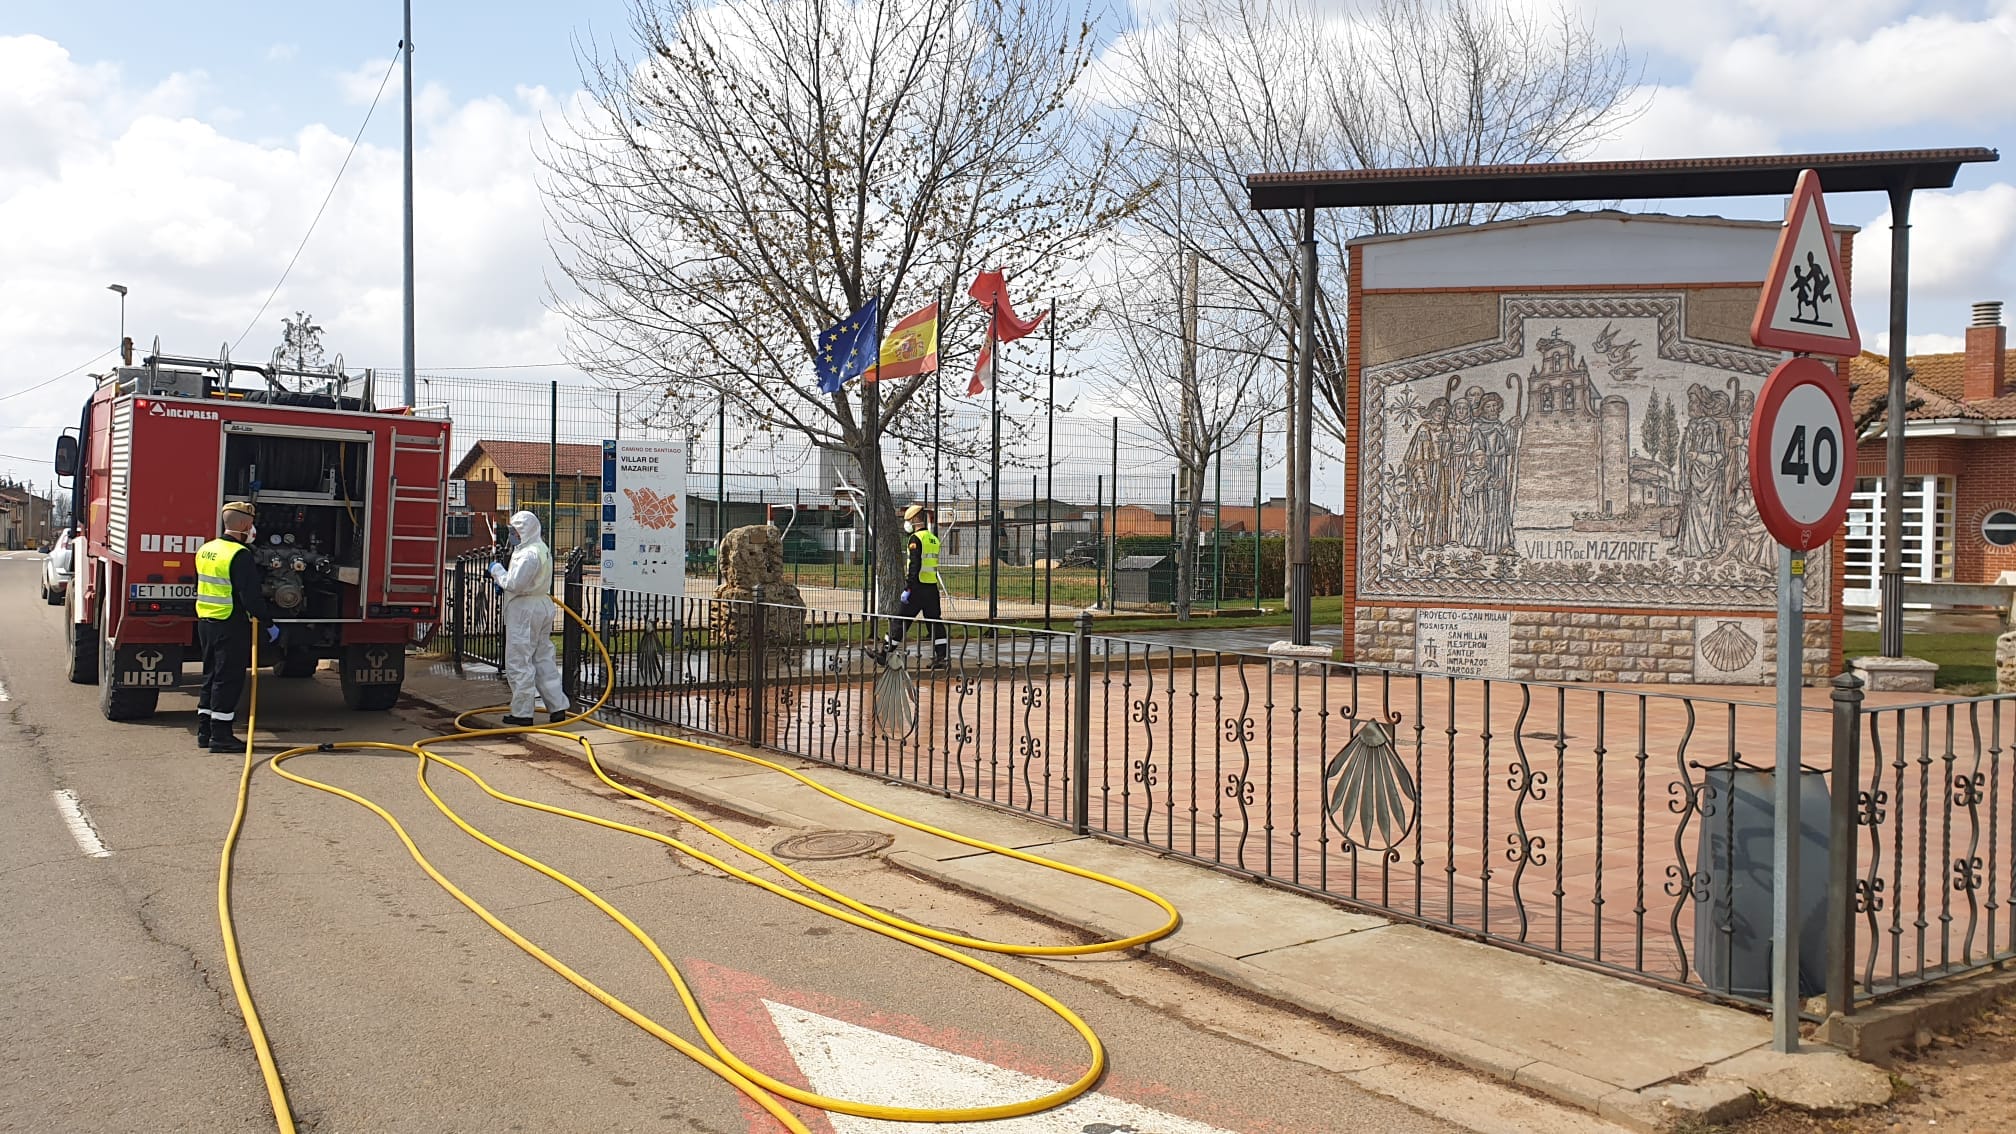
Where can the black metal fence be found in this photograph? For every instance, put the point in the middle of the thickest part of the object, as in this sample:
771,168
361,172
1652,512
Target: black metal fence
1622,830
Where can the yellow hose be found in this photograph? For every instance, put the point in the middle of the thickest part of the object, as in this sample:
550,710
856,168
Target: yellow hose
764,1089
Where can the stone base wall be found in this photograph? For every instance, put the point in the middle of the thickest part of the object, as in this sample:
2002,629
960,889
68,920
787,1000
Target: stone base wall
1539,645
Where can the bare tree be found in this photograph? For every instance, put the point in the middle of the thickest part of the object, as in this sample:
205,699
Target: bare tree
300,344
1195,374
1275,85
759,170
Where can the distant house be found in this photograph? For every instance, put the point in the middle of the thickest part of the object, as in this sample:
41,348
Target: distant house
26,520
1959,482
521,471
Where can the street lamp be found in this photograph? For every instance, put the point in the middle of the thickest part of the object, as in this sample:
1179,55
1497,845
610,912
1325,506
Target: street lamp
121,289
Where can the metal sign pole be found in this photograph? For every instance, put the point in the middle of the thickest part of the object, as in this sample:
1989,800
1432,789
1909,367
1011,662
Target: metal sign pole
1785,832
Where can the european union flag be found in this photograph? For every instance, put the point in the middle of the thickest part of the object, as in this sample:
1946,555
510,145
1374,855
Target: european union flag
848,347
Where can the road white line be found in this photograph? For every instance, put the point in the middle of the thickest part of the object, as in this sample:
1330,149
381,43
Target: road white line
74,817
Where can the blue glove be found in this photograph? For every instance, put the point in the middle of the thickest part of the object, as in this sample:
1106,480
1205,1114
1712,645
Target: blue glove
272,634
904,598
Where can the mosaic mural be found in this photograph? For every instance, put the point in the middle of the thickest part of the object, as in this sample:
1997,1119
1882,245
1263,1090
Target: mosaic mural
1592,454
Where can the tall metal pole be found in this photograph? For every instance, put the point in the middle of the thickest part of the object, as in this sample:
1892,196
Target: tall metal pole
937,442
552,464
1786,826
1259,473
1892,620
871,401
406,44
1298,530
720,482
1113,529
994,481
1218,527
1050,475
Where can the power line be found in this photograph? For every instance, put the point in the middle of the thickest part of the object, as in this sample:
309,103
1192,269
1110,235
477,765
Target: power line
59,377
338,180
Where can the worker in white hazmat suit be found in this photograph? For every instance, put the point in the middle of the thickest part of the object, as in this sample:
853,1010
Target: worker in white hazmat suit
529,663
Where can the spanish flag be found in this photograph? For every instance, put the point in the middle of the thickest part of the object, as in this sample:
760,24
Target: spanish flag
910,349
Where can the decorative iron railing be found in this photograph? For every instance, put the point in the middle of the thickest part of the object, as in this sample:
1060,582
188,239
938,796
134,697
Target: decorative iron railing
1618,829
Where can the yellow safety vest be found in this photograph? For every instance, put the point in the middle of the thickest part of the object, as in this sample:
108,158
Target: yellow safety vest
213,578
927,567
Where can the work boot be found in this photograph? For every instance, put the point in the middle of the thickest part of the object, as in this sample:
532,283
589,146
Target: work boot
941,662
517,722
222,740
560,714
203,731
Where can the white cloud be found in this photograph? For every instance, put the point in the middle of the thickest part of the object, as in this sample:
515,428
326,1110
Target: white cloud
101,183
282,53
1916,344
1922,69
1674,122
1961,244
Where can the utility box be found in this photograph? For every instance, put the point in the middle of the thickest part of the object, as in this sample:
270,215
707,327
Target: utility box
1145,580
1732,922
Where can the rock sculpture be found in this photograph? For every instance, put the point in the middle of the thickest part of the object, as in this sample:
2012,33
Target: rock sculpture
753,557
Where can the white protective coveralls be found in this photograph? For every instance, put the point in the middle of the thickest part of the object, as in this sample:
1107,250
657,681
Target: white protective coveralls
529,662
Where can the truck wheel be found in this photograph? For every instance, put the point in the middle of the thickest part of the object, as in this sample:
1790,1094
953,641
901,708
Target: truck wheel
370,698
121,704
296,664
83,651
52,596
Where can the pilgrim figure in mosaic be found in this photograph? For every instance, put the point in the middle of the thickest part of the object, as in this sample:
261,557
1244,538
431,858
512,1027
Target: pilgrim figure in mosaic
1427,468
1704,472
1492,437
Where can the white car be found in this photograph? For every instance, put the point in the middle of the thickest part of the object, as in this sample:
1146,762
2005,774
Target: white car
56,572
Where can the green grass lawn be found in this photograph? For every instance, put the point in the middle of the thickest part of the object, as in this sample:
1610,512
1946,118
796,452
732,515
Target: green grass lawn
1966,661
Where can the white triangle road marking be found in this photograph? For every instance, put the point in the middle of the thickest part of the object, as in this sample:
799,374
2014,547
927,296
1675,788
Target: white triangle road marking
846,1060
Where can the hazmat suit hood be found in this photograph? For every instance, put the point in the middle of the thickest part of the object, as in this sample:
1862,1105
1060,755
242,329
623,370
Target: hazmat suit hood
525,526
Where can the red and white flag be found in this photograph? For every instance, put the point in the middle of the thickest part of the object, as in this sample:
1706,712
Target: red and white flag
983,372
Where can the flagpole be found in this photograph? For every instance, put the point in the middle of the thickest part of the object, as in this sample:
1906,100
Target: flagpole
938,424
994,482
871,401
1050,474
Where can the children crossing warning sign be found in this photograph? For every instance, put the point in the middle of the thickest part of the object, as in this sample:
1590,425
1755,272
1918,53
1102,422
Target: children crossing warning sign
1804,306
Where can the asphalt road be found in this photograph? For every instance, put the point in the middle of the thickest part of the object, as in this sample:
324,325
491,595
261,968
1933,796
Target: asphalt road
392,1008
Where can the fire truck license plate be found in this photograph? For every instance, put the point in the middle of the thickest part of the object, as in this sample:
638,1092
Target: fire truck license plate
164,590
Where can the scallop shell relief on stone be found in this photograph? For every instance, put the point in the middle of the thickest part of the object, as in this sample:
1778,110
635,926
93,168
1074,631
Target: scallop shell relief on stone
1729,648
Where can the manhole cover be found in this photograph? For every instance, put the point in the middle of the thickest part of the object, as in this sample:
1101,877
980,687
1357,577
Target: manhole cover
831,844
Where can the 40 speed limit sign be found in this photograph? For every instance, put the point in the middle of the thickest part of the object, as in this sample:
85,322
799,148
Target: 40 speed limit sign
1802,454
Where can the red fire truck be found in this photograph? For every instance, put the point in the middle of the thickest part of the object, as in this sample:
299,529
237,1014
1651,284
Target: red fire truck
348,500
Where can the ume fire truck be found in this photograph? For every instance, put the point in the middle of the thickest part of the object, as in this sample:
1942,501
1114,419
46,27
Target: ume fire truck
348,501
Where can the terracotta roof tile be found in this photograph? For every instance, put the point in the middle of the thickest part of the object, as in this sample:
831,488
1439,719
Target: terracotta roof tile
1937,379
529,458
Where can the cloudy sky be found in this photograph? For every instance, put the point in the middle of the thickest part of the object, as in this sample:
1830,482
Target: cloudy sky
181,149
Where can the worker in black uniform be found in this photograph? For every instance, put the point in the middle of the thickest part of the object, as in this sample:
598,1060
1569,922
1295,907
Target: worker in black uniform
228,601
920,589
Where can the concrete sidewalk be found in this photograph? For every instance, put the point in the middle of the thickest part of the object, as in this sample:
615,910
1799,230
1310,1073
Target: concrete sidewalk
1632,1054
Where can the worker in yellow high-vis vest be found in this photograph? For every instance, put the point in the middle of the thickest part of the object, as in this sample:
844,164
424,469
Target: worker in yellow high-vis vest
228,598
920,589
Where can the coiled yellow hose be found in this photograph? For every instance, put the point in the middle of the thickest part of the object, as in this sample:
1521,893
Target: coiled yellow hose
716,1057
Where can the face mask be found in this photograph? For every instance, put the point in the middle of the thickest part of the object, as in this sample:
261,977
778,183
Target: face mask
908,526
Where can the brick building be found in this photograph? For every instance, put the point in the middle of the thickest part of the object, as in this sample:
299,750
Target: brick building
1959,480
520,470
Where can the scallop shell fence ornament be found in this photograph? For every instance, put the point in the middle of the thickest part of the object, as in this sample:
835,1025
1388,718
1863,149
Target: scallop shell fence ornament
1371,797
653,648
1729,648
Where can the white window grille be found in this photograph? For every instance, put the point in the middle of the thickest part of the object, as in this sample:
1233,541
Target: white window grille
1928,545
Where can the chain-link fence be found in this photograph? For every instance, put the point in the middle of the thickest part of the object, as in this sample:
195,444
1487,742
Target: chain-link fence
1081,505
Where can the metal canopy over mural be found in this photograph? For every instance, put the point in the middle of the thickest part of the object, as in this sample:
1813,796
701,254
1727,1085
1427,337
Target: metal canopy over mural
1591,455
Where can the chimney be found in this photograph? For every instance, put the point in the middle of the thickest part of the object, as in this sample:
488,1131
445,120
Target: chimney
1983,372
